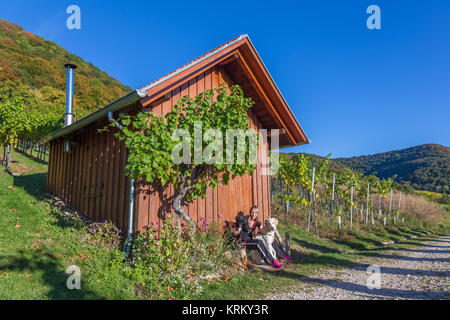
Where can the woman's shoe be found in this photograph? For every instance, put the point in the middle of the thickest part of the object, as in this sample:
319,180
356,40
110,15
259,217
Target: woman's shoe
276,264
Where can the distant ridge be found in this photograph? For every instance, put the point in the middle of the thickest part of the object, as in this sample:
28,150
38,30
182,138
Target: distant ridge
33,68
423,167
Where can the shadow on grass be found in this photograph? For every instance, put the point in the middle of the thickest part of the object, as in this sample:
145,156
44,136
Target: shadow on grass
314,246
52,276
26,155
33,184
361,245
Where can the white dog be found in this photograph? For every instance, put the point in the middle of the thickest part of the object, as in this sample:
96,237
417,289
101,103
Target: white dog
267,235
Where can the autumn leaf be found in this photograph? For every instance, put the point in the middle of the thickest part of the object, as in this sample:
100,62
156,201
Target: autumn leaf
83,257
28,275
18,226
261,279
12,210
12,188
45,212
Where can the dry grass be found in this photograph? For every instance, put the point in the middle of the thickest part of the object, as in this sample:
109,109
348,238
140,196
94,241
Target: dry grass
414,208
420,208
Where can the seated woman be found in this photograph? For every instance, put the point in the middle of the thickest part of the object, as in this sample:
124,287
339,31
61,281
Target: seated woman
247,231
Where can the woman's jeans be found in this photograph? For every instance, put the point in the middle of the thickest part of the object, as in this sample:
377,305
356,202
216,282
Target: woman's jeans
259,245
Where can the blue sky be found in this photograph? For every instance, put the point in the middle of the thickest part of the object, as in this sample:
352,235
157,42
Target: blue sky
354,91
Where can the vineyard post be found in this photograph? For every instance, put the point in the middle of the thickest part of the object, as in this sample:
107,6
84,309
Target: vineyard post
379,208
399,201
390,205
271,189
332,198
351,208
281,191
372,221
311,197
315,213
8,155
367,206
288,208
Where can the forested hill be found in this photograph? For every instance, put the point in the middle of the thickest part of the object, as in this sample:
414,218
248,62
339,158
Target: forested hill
424,167
33,68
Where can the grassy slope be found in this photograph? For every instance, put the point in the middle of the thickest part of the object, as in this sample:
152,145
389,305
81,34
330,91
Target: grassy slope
34,257
60,245
34,68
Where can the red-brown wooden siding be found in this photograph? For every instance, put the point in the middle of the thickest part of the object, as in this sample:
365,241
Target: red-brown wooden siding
240,193
91,177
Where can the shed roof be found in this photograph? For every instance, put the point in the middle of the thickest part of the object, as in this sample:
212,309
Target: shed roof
242,62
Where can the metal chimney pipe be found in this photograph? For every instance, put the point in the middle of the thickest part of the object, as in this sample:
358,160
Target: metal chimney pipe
68,117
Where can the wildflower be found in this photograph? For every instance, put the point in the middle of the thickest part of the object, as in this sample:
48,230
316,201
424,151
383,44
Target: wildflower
201,219
187,249
155,223
220,215
212,228
146,226
169,260
145,243
158,244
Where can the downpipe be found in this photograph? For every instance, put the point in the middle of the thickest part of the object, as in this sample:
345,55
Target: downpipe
128,241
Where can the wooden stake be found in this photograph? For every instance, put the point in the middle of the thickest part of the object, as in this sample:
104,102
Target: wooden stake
390,205
351,208
311,197
332,198
367,208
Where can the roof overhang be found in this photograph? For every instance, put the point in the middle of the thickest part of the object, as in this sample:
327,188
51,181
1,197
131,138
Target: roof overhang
127,100
242,51
239,50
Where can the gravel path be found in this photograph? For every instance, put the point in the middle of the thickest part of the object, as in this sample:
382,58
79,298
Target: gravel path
419,273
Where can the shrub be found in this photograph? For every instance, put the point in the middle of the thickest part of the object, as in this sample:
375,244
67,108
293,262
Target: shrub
169,265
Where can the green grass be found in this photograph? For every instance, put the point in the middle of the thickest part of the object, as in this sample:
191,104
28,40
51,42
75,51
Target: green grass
34,257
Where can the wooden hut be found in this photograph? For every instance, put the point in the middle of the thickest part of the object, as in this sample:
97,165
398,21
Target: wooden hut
91,178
